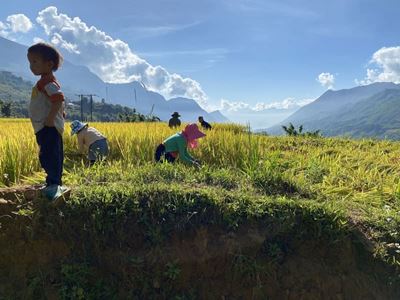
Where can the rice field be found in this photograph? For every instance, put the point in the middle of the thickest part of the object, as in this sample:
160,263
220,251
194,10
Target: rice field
365,171
339,166
130,143
356,181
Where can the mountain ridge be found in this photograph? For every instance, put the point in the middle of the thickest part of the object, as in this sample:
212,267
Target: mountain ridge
76,79
333,110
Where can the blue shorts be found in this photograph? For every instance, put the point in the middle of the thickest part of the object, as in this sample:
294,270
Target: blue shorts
98,150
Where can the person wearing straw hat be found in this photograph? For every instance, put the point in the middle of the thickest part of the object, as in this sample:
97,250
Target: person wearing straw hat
177,146
174,121
91,140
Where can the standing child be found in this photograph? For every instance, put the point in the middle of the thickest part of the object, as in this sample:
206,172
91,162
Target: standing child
178,143
90,139
46,110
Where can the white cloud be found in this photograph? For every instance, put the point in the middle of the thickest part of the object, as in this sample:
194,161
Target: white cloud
3,29
146,31
112,59
227,105
38,40
19,23
326,80
57,39
289,103
286,104
387,61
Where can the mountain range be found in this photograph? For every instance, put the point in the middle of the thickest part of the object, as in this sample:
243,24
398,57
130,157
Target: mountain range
77,79
364,111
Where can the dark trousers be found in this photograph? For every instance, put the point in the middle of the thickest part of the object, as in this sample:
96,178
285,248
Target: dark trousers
51,154
160,151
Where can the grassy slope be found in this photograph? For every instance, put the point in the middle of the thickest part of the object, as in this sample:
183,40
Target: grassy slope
110,206
334,183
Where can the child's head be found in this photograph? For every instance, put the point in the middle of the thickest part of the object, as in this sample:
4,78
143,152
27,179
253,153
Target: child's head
43,59
77,126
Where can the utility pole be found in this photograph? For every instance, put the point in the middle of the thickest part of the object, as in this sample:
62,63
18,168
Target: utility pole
91,104
80,98
91,108
135,99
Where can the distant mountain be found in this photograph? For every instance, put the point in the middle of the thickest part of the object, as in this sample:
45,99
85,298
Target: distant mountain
364,111
217,115
14,87
13,58
190,110
135,95
334,101
80,80
376,116
18,90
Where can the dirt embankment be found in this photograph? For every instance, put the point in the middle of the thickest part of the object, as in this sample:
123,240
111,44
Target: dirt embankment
41,260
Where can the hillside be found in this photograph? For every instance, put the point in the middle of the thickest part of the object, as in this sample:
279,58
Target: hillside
312,218
77,79
377,116
217,116
345,112
18,90
14,88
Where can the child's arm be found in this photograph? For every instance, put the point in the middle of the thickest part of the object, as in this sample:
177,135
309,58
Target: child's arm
56,97
55,108
183,153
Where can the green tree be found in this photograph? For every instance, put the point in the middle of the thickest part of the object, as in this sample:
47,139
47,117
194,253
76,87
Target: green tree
6,109
292,131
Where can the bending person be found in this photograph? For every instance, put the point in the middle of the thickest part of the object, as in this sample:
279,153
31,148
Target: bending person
177,146
90,139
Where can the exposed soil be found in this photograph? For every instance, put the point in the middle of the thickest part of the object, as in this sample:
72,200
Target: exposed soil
211,263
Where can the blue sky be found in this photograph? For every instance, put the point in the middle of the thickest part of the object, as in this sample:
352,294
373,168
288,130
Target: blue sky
242,51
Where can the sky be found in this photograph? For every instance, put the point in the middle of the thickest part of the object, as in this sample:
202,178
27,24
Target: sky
232,55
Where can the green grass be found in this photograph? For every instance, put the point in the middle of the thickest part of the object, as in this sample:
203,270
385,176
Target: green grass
313,188
179,198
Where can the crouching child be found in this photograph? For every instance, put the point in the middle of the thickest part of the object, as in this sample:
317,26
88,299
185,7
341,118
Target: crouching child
90,140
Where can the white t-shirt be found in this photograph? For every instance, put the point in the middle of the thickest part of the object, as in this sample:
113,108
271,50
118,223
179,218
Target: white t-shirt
88,136
46,91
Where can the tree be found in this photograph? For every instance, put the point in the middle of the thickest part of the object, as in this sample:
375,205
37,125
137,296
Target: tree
291,131
6,109
135,116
